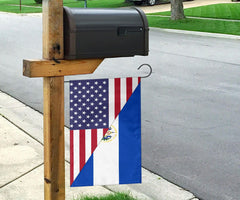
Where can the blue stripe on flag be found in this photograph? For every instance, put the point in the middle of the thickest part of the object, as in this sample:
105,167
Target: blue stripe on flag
85,177
130,140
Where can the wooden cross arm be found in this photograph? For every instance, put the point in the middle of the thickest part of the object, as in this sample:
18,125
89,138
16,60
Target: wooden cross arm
49,68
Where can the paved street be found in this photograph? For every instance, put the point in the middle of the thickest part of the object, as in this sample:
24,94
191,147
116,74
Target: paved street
190,104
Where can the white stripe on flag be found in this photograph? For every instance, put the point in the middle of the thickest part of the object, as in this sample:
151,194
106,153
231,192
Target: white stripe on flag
88,144
99,135
123,90
134,84
111,102
76,153
106,160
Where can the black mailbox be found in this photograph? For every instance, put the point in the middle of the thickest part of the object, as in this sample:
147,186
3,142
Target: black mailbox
102,33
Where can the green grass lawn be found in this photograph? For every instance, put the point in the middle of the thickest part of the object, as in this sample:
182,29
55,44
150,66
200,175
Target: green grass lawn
13,5
219,11
16,2
96,3
15,9
212,26
116,196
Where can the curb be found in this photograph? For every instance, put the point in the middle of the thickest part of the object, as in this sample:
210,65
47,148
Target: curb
197,33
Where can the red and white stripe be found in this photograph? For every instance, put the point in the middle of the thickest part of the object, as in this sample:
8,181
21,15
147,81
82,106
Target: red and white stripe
82,145
120,90
84,142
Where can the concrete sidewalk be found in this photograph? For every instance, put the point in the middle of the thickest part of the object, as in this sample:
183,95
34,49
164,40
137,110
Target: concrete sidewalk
21,161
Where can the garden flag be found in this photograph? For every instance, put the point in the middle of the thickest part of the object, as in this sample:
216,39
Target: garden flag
105,132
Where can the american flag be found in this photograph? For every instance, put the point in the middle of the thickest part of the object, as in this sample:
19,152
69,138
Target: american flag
94,105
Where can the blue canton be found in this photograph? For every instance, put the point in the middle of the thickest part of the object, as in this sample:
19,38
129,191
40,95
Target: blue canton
89,104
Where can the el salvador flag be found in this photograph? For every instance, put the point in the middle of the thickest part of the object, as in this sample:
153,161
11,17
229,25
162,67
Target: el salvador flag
100,155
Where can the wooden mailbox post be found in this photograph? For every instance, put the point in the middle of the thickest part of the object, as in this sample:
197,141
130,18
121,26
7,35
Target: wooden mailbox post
53,89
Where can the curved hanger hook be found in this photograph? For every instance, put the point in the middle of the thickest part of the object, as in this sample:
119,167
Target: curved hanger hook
150,72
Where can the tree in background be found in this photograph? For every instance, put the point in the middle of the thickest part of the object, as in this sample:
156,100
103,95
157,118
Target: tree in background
177,11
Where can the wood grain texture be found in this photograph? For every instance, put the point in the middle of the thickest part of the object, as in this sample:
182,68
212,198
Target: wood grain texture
48,68
53,91
54,156
53,29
